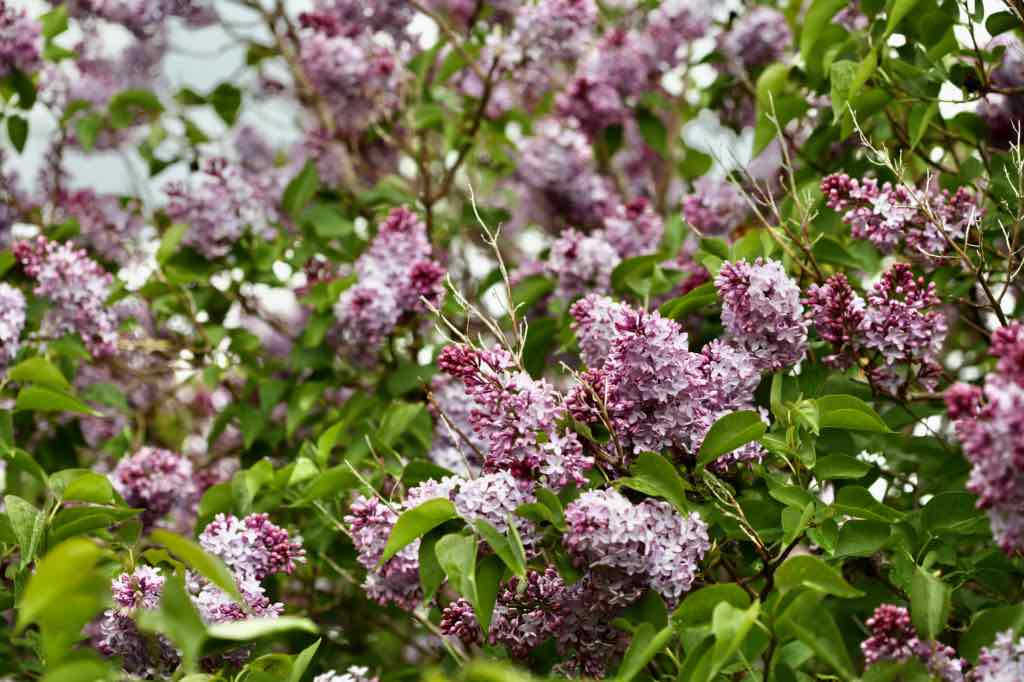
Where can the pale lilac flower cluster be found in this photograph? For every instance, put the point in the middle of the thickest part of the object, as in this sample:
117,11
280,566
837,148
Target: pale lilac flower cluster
649,541
385,16
989,424
673,23
762,312
634,228
657,393
517,416
217,204
758,38
894,638
836,311
12,322
494,498
925,221
155,480
715,207
581,263
360,79
1003,661
20,40
354,673
456,446
107,225
851,17
117,635
1003,113
77,287
144,18
395,273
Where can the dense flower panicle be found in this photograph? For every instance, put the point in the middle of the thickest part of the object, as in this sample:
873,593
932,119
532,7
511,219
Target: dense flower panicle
387,16
901,324
140,589
716,207
836,312
551,30
456,446
77,287
673,23
458,620
354,673
253,546
595,104
594,319
398,580
527,614
154,479
1008,346
894,638
649,540
512,409
106,225
217,606
20,40
761,309
581,263
634,228
1003,661
494,498
12,322
758,38
117,635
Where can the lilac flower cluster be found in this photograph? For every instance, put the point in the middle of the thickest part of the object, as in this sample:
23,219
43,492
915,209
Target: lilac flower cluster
144,18
894,638
456,446
395,273
837,313
758,38
1003,113
20,40
1003,661
117,635
657,393
218,204
512,412
77,287
494,498
359,79
989,423
155,480
107,226
892,215
650,541
12,322
385,16
761,310
715,207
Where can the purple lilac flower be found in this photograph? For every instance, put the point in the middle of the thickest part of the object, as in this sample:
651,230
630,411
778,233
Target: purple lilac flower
758,38
1009,71
252,546
761,309
900,322
12,322
456,447
512,410
77,287
715,207
894,638
1003,116
673,23
1003,661
354,673
117,635
20,40
649,541
494,498
155,480
385,16
837,312
634,228
395,273
594,319
218,204
108,226
216,606
527,614
581,263
594,104
851,17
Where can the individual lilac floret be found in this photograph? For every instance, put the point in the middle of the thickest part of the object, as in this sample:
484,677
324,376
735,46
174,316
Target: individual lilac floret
758,38
252,546
117,635
456,446
77,287
836,312
761,309
716,207
218,204
106,225
12,322
354,673
154,480
649,540
594,319
634,229
20,40
512,411
581,263
396,274
1002,661
900,322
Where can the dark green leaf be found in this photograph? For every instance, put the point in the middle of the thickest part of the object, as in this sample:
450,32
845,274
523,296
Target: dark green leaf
811,572
728,433
930,603
416,522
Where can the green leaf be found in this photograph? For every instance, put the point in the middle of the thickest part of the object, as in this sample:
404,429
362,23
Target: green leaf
457,555
54,22
847,412
814,626
661,478
699,606
302,661
930,603
645,645
254,628
730,626
126,105
501,546
27,522
835,467
811,572
862,538
416,522
629,274
170,241
300,190
431,573
897,11
816,20
653,131
6,432
42,399
1001,22
531,289
728,433
87,128
921,114
858,501
41,371
17,130
177,618
78,670
209,566
678,308
226,100
90,487
60,574
488,582
397,420
841,75
954,512
987,624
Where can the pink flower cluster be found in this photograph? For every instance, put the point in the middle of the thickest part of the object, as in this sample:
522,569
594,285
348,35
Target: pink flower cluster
117,635
758,38
761,310
157,481
395,274
144,18
107,225
20,40
894,638
517,416
1003,661
990,426
891,216
715,207
456,446
77,287
12,322
656,393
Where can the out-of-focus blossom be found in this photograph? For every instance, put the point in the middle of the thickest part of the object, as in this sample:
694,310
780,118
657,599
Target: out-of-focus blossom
715,207
758,38
20,40
12,322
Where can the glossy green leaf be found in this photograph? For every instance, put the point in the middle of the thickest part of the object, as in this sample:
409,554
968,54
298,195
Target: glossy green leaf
728,433
811,572
414,523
